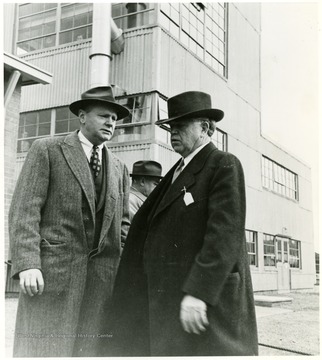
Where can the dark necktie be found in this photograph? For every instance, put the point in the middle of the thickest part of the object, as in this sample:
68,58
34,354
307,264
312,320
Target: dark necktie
178,170
95,163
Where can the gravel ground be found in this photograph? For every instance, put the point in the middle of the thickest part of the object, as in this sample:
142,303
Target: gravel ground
296,330
292,326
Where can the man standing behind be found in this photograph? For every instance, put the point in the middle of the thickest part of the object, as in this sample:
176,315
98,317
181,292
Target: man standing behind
146,175
68,216
183,287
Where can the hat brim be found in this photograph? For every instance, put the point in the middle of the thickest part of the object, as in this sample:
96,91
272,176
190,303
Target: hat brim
121,111
155,176
212,114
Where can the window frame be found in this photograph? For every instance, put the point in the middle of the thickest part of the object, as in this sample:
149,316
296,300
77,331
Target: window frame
56,33
299,257
278,179
254,235
269,237
163,14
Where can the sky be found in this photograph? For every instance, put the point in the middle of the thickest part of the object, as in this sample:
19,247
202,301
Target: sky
290,79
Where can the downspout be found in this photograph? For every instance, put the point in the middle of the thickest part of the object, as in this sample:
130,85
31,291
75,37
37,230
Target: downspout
106,39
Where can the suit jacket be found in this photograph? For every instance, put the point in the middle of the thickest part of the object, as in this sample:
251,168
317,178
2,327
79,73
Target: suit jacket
52,226
199,249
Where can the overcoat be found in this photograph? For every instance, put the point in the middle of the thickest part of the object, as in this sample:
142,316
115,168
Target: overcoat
52,225
173,249
136,199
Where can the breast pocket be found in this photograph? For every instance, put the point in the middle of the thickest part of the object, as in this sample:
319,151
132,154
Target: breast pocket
55,265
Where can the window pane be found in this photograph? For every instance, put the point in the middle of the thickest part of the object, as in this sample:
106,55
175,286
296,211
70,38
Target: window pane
132,133
61,127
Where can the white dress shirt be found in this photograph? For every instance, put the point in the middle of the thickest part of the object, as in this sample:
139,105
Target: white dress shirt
88,146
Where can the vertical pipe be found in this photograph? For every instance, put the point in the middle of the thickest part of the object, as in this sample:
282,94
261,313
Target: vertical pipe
100,56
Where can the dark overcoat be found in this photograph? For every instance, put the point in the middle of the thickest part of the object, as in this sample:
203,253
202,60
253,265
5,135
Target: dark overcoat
52,225
199,249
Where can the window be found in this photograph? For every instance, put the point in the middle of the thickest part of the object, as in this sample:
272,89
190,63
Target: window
44,123
132,15
44,25
75,23
269,250
279,179
219,138
136,126
251,242
201,28
295,254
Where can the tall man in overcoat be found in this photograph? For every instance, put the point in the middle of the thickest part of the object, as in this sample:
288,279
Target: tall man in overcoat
183,286
68,217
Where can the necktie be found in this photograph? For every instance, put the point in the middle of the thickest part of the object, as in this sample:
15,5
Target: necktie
95,163
178,170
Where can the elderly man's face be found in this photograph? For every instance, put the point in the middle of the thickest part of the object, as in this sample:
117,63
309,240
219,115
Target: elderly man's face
186,136
98,123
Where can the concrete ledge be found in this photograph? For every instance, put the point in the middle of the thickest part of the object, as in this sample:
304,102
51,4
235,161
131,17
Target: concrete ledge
266,300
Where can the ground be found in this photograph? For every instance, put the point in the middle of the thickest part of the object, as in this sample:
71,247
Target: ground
293,326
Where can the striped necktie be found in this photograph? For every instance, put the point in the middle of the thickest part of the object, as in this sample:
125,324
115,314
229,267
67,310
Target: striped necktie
95,163
178,170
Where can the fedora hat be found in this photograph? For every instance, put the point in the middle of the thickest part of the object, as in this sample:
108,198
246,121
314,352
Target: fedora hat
191,104
147,168
100,94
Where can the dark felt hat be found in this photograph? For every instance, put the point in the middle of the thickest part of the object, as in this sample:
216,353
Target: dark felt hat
147,168
100,94
191,104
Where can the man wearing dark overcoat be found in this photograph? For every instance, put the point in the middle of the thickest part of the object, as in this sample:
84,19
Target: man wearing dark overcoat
68,218
184,286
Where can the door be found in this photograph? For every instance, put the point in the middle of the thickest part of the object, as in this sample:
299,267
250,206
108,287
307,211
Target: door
283,266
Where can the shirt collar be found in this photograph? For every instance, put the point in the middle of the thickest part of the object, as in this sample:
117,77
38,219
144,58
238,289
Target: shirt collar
188,158
88,146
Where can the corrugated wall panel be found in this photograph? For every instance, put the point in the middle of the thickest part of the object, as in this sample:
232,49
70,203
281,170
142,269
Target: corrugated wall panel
131,70
70,68
130,153
70,65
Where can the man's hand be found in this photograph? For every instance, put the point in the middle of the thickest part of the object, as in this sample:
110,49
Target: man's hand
193,315
31,282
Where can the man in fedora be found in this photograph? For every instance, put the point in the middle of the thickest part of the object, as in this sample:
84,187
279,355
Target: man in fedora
146,175
183,287
68,217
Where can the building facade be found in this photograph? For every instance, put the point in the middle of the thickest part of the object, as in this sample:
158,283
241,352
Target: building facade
171,48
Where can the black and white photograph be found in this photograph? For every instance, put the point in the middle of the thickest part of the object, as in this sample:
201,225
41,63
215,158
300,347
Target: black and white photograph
160,179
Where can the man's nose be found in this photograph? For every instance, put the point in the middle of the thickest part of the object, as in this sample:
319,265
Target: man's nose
109,121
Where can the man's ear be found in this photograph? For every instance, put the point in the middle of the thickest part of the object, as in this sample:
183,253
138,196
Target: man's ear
81,115
142,181
205,126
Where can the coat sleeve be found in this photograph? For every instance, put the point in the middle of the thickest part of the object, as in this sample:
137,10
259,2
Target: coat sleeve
224,235
125,216
25,210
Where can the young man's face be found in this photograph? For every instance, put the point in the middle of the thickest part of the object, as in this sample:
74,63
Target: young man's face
185,136
98,123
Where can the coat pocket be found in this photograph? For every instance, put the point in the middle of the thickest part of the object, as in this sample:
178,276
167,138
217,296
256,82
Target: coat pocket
55,265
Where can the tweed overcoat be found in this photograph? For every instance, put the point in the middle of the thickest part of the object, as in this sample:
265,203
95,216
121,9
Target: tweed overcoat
51,223
199,249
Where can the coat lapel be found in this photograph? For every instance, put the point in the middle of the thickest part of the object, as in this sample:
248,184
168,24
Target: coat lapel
112,175
77,161
185,180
